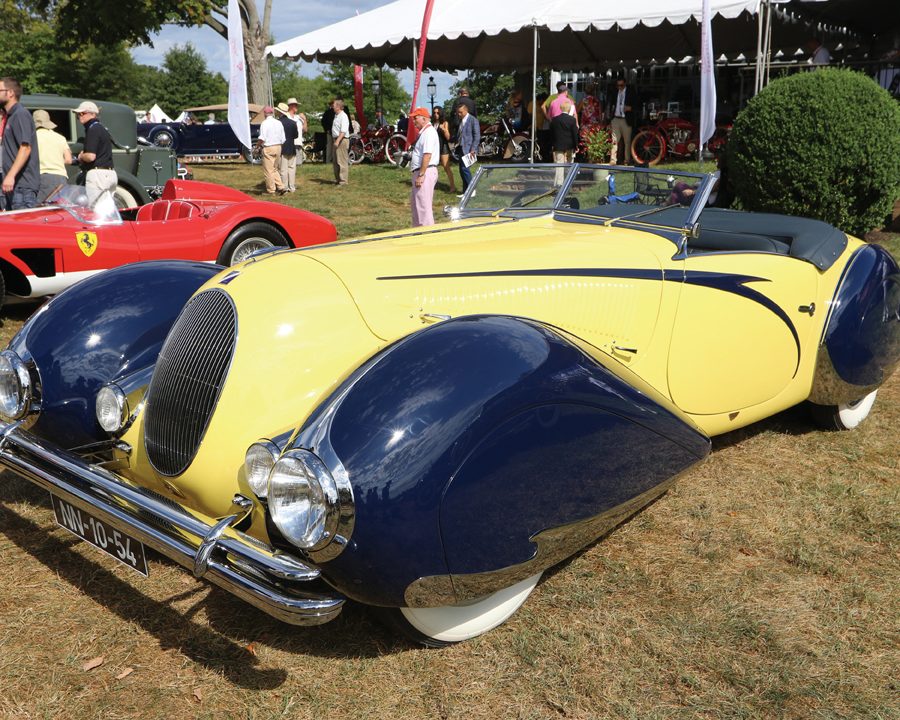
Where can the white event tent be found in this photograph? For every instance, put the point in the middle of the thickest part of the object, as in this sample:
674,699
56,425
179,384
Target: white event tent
562,34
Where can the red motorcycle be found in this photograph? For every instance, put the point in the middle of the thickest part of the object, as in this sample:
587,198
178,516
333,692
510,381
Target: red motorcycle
673,136
370,145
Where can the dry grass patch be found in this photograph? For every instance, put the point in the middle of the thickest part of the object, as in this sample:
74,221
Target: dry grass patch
762,586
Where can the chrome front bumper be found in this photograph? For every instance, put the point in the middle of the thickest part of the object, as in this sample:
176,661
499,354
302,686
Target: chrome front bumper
236,562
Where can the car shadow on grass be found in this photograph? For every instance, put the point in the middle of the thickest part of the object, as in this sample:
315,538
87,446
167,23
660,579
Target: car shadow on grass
226,646
794,421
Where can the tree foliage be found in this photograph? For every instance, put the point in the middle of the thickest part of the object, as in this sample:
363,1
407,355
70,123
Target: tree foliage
188,82
31,53
103,23
489,90
339,82
822,144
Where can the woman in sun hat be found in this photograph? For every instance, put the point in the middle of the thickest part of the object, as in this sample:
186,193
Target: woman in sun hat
54,153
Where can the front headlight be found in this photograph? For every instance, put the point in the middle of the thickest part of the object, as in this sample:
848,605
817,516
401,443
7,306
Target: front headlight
15,386
258,463
303,499
111,408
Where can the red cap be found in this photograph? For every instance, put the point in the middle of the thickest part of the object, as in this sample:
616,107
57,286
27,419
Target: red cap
420,111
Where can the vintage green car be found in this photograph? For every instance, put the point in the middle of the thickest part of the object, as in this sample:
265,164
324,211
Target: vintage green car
142,170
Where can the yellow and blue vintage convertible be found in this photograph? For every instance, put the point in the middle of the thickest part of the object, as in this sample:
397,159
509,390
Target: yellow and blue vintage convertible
426,421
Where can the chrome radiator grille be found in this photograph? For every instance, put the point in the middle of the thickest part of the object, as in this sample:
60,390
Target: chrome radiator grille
187,380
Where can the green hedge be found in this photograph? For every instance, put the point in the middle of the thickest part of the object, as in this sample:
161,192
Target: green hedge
823,144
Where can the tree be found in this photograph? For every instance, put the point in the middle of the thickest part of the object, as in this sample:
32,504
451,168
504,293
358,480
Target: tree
188,82
30,53
132,21
339,82
489,90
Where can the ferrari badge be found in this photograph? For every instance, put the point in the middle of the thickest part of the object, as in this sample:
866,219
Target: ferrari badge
87,241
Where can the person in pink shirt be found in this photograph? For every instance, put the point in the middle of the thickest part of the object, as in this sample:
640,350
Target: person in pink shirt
553,105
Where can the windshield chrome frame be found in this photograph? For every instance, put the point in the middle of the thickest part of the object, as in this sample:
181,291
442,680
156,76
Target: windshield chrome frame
706,181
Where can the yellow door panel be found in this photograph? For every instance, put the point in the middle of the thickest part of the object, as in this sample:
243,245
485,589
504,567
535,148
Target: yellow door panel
742,321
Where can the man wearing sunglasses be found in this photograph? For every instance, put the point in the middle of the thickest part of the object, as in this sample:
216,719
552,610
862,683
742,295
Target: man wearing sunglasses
96,158
622,105
20,162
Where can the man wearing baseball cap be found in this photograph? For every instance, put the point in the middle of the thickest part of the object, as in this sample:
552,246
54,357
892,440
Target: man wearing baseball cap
96,156
424,161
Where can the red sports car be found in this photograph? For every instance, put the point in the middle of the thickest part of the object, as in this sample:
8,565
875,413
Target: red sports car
46,249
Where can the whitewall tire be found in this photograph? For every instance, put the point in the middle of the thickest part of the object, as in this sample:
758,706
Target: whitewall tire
845,416
452,624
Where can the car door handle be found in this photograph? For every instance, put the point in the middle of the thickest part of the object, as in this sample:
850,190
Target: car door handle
619,348
810,309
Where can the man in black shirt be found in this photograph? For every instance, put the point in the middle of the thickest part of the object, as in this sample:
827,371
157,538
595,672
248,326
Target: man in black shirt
327,122
20,161
96,158
564,137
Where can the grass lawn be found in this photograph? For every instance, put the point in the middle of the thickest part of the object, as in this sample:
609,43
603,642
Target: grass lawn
763,585
376,199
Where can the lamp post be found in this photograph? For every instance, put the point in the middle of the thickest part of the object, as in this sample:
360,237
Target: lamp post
376,91
432,91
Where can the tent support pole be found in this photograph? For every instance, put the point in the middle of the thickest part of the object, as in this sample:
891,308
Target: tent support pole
534,94
759,37
768,41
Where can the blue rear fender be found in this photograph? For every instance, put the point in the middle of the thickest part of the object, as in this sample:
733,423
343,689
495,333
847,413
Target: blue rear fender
860,345
467,440
106,326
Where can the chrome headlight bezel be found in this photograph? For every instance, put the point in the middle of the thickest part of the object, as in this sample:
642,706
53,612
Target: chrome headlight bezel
326,488
111,409
259,460
14,370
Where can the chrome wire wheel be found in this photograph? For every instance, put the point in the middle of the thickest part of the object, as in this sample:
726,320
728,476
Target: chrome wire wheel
247,247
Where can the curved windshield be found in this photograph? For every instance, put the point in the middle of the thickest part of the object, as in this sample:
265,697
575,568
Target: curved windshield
606,191
74,200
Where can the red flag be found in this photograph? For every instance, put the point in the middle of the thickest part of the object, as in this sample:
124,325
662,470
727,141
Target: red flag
358,95
411,132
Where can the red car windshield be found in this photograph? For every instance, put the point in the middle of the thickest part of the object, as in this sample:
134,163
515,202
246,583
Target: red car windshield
74,200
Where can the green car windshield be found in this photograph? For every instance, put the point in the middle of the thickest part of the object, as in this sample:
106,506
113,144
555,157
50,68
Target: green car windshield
604,191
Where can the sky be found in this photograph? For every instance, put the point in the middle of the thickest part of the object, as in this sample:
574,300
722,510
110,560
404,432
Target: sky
289,19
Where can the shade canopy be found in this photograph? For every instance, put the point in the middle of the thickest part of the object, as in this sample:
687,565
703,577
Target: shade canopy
572,34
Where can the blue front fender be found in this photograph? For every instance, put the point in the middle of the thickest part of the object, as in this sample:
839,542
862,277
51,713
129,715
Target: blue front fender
106,326
465,440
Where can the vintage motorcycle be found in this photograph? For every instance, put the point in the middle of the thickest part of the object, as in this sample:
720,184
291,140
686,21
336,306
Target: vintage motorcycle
370,145
675,136
500,141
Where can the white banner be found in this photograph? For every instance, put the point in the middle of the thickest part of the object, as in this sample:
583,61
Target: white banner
238,112
707,78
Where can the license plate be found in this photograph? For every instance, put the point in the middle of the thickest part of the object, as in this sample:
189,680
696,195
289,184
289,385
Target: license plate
114,542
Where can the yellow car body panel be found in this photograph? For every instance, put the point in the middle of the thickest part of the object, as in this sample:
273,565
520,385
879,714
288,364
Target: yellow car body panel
273,391
744,361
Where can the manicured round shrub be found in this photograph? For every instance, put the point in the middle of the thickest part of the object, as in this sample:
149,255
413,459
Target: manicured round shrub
822,144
